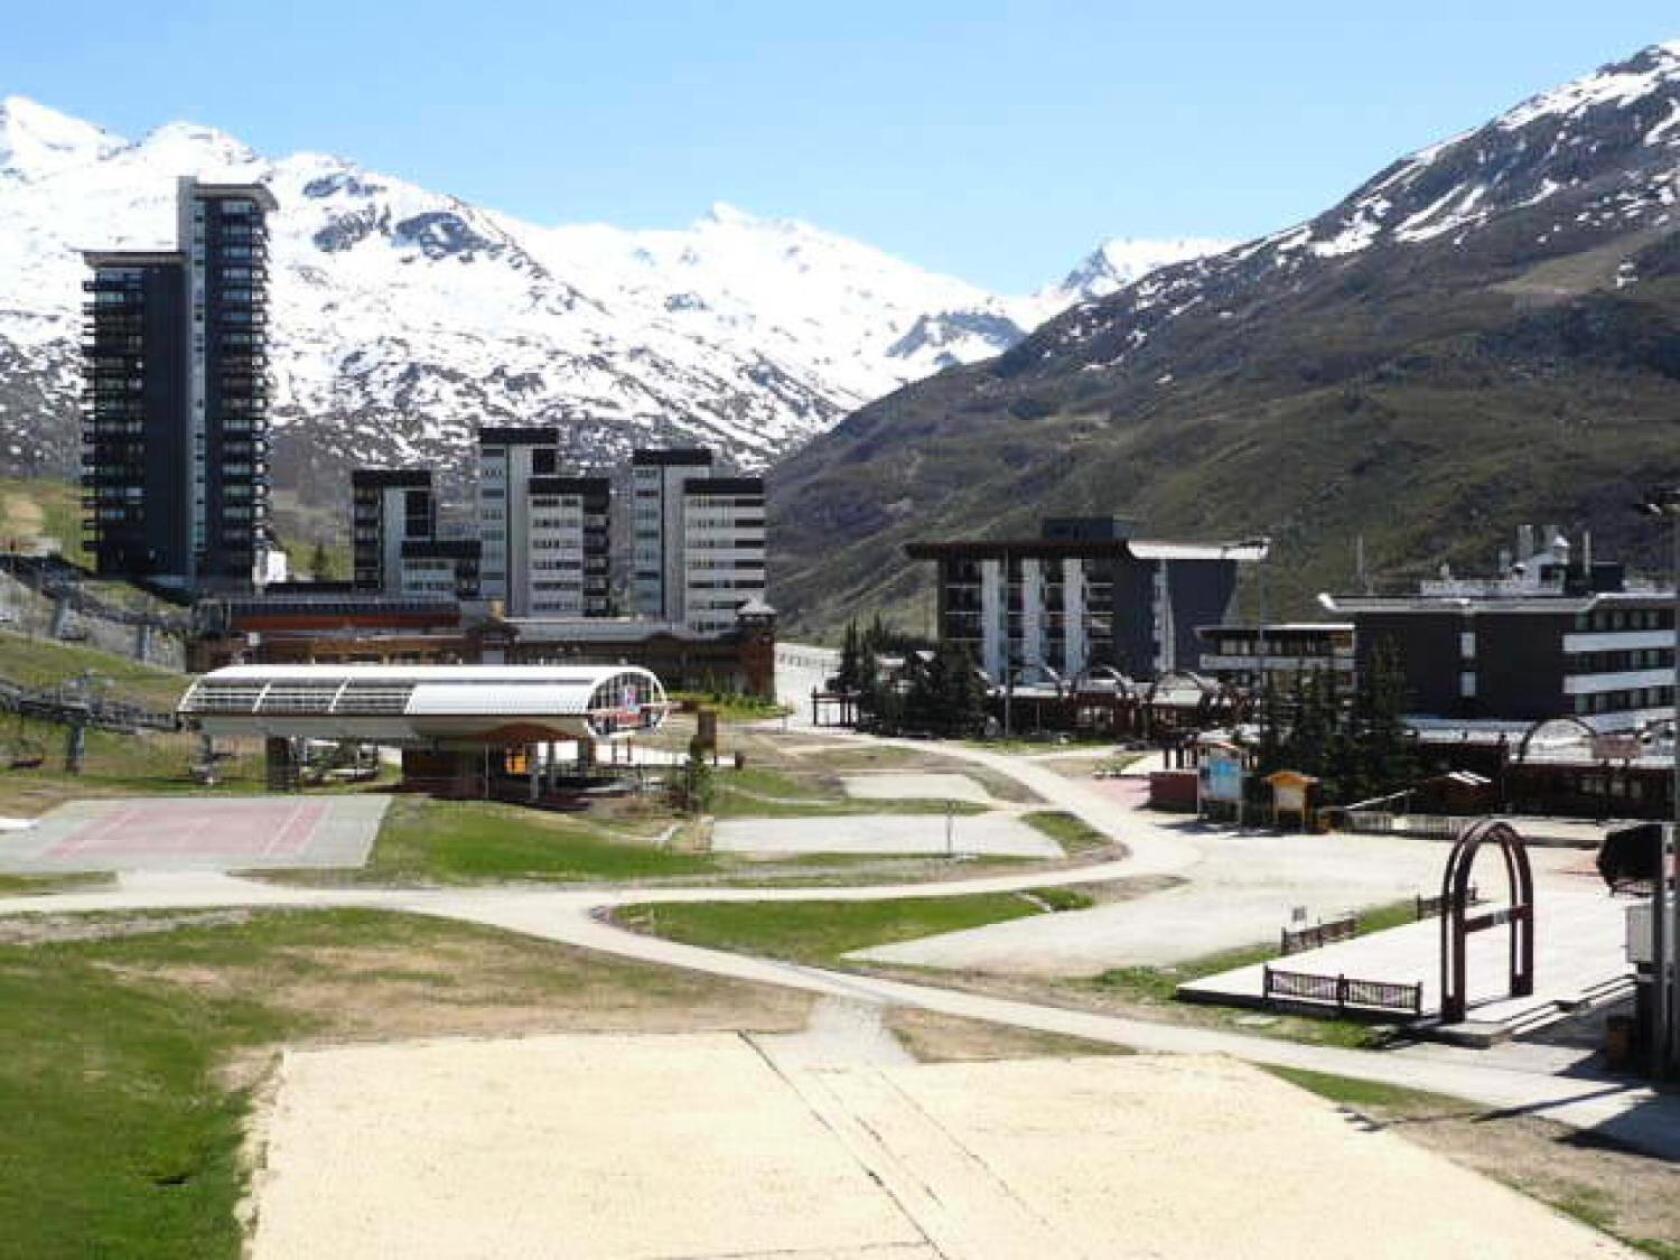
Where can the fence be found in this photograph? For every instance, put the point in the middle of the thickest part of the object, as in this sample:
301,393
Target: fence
1343,993
1299,940
1429,907
1381,822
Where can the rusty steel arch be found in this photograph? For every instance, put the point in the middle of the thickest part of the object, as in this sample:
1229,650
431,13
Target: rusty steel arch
1457,922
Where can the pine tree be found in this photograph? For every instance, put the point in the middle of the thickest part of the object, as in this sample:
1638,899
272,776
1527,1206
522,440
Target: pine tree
320,563
850,665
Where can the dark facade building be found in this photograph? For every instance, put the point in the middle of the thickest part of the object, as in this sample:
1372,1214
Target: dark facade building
389,508
1247,656
176,444
1550,636
1084,595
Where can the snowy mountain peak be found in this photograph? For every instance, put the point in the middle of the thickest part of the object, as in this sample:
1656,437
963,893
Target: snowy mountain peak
196,149
1620,84
36,141
1125,260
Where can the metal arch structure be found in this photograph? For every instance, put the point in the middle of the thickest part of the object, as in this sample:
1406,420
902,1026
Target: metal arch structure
1457,922
1565,720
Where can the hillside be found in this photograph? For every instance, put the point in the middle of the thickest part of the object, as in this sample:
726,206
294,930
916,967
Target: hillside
1486,332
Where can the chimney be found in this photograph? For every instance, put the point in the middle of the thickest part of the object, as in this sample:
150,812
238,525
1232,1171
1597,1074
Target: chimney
1525,541
1586,550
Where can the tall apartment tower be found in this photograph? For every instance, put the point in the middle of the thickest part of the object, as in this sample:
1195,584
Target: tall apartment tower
389,507
175,405
698,540
570,550
507,460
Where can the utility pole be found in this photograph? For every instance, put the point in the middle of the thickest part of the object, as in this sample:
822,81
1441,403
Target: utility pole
1665,931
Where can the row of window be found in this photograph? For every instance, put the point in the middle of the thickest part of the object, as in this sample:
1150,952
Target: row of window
1625,700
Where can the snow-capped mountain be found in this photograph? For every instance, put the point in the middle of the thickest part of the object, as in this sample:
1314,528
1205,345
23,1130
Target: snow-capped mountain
405,318
1123,261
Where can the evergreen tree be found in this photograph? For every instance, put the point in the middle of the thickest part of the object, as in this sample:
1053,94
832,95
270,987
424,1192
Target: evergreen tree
1387,753
850,664
320,564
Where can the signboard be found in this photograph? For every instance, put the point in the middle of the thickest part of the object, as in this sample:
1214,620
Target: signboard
1222,780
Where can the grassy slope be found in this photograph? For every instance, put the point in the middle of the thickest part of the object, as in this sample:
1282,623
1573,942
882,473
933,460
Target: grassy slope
116,765
123,1125
464,841
43,508
43,663
820,932
1429,411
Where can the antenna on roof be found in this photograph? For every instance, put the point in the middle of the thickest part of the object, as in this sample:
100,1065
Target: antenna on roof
1362,576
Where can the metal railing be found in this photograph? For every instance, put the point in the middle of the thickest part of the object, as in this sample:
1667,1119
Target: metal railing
1342,992
1300,940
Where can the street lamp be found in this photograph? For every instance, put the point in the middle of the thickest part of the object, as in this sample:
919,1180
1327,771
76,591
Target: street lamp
1263,544
1665,933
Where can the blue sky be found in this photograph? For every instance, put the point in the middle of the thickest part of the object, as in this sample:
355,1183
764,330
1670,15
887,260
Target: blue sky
996,141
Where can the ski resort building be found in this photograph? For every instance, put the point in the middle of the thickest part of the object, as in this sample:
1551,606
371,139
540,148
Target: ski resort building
1551,634
1083,595
698,540
175,428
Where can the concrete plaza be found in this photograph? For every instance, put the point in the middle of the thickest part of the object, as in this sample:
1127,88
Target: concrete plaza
989,835
161,833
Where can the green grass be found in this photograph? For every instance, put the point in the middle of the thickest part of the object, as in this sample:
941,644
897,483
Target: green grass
732,707
44,663
59,505
468,841
820,932
36,885
120,1142
147,764
1350,1092
121,1058
1075,835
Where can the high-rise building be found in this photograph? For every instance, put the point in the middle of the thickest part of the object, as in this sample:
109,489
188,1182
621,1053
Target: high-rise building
570,550
507,460
389,507
722,550
175,415
698,551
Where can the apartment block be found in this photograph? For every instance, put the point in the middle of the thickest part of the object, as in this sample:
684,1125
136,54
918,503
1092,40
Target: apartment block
175,400
1551,634
389,508
1084,595
507,460
698,549
570,549
440,567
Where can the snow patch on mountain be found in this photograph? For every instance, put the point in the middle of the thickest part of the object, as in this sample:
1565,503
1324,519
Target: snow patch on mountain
405,318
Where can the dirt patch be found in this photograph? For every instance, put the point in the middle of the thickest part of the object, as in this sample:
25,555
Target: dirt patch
55,929
23,516
936,1038
1635,1197
482,987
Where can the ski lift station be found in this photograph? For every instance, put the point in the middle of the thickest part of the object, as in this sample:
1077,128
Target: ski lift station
461,728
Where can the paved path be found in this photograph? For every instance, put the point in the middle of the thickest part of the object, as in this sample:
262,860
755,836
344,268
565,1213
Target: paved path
1613,1108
